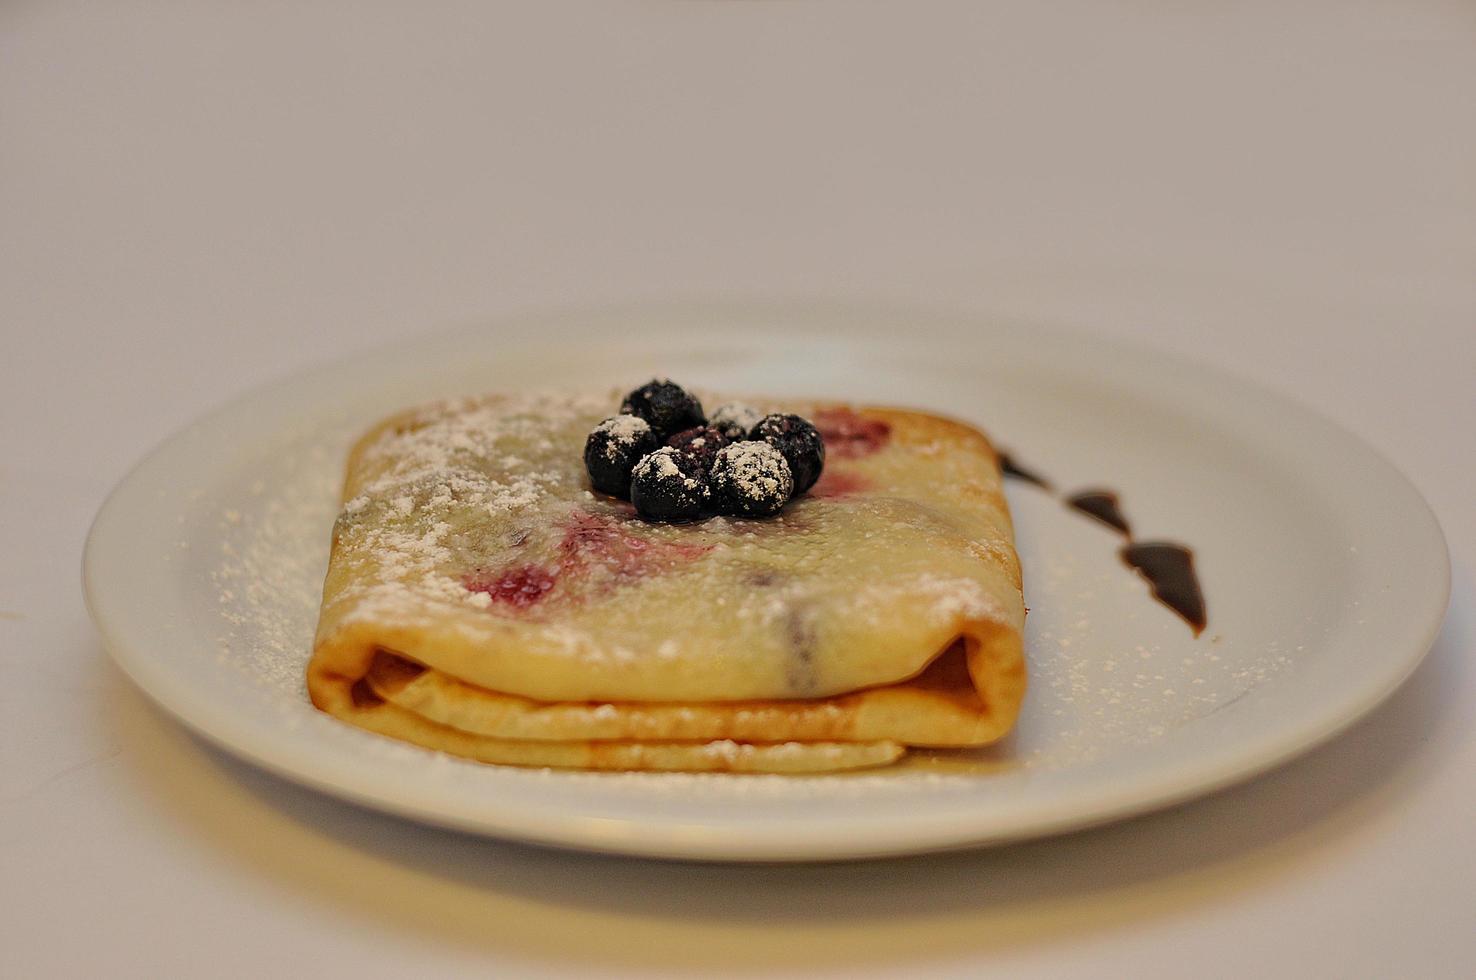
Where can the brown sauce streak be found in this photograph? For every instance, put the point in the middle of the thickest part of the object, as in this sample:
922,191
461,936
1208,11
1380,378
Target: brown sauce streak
1009,467
1168,567
1101,504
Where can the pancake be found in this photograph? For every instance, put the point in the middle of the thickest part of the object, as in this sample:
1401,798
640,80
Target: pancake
481,600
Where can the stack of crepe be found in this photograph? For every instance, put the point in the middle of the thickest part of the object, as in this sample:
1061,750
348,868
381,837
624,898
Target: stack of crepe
481,601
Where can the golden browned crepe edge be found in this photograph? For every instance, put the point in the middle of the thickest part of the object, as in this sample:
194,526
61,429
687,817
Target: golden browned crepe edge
721,755
940,708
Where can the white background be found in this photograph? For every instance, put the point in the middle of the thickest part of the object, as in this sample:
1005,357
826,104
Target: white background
197,198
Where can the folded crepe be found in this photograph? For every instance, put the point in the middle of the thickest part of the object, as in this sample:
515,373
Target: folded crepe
481,600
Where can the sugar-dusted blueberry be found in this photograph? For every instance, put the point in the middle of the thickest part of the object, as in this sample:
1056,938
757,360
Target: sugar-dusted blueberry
668,485
751,479
612,450
701,443
666,406
735,420
799,441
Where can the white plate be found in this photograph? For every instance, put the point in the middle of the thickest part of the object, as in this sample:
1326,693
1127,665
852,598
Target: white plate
1325,574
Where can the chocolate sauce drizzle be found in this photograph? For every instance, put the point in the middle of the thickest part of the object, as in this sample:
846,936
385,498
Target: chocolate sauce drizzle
1167,567
1009,467
1101,504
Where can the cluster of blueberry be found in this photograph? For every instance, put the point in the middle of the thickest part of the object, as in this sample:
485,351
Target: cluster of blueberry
675,463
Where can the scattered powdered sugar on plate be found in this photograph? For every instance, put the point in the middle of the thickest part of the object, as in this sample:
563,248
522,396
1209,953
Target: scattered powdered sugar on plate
1110,670
269,577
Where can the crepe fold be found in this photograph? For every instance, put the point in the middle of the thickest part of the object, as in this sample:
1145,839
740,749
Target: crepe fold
480,601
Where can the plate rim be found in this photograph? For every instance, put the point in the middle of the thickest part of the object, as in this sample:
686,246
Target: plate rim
945,830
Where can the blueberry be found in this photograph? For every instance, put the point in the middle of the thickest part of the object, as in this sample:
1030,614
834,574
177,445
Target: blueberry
751,479
702,443
612,450
735,420
799,441
667,485
666,406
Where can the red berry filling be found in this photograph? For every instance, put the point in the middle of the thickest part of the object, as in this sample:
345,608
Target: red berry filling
519,587
850,436
839,483
589,540
596,538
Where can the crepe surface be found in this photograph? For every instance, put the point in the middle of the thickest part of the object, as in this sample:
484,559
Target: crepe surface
480,600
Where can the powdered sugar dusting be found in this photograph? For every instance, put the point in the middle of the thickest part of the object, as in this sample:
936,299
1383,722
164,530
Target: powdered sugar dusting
955,598
756,469
1110,671
662,464
442,477
271,556
735,418
624,431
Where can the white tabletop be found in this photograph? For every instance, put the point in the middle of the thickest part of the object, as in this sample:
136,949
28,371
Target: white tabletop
195,199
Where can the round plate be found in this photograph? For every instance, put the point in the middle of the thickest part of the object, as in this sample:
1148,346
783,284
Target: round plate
1325,575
